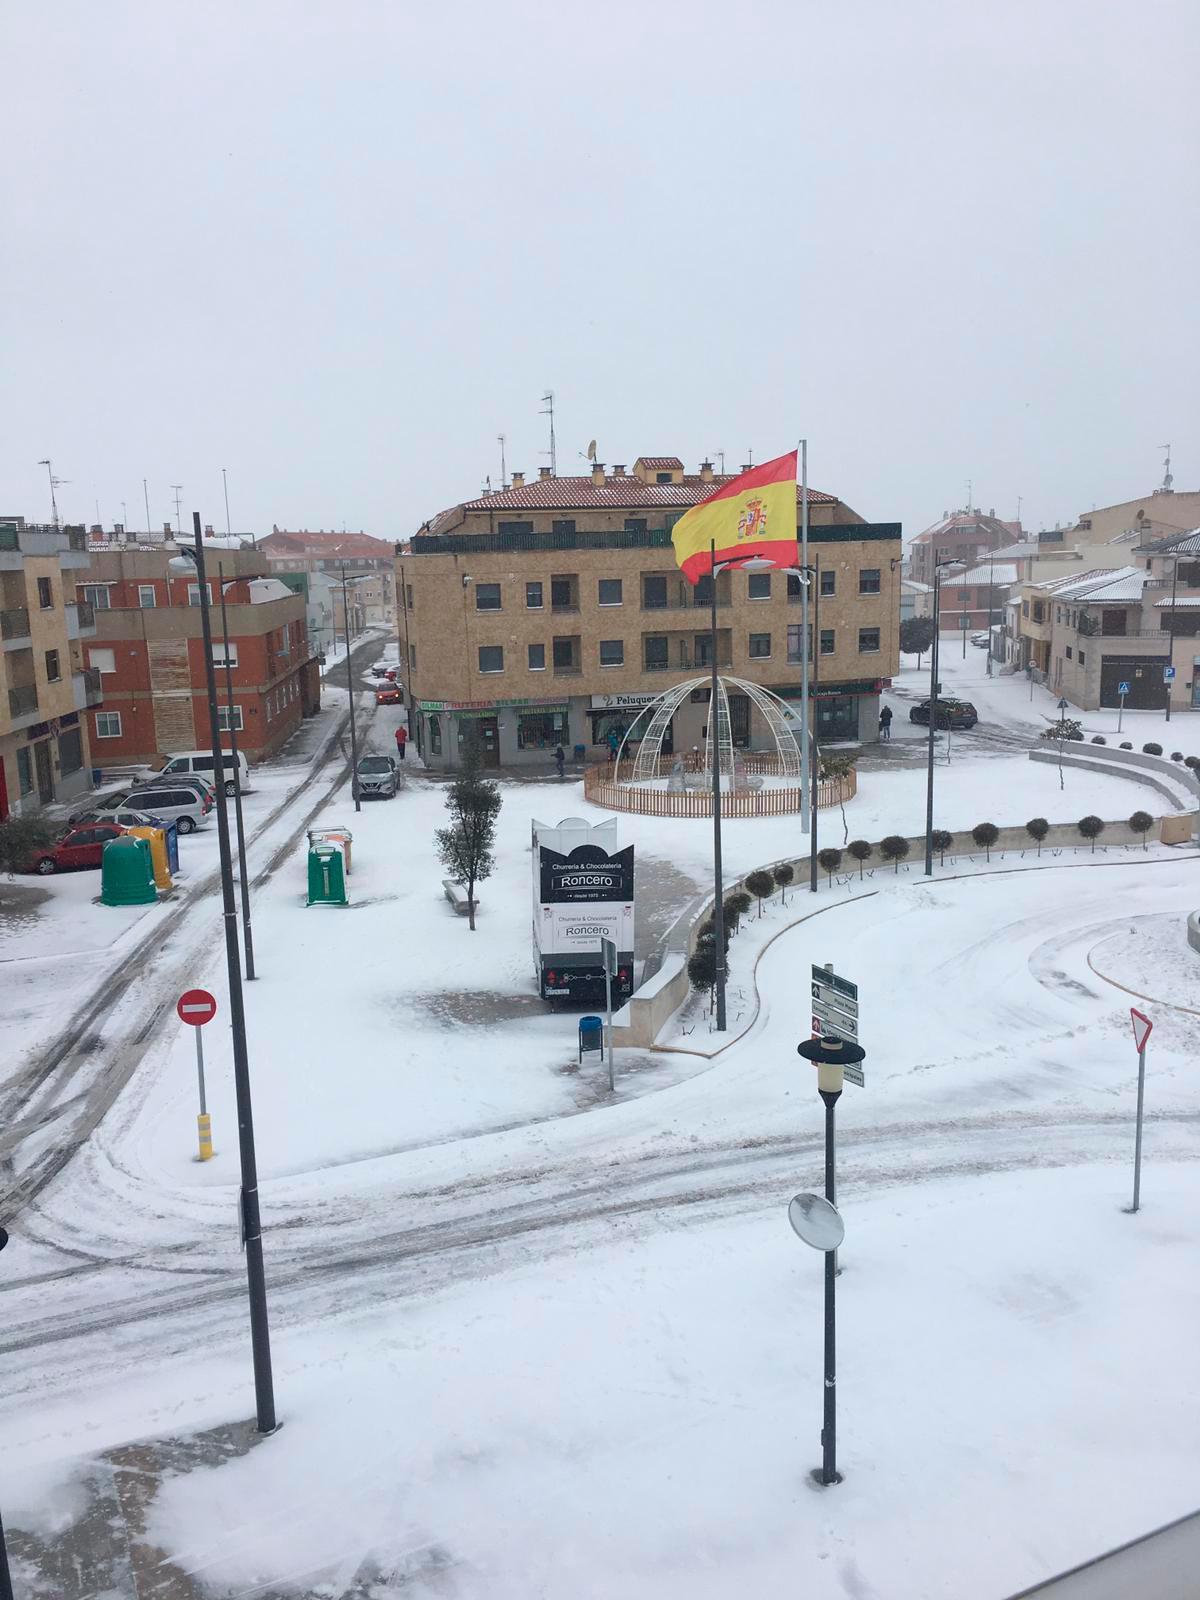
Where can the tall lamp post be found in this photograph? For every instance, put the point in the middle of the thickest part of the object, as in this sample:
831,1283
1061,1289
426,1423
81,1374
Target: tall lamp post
350,692
231,720
1171,631
935,689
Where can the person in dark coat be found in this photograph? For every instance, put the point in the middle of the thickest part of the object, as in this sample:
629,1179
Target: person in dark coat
885,723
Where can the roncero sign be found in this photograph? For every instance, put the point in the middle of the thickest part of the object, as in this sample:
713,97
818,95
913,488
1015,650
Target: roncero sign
587,873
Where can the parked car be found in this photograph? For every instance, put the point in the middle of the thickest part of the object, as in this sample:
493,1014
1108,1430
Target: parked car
981,640
201,762
377,777
951,713
122,817
199,785
175,802
389,695
78,847
129,799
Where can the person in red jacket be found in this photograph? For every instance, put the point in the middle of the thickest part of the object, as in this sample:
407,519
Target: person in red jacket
401,740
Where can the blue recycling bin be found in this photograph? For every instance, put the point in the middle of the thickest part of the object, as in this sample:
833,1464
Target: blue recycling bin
591,1035
172,836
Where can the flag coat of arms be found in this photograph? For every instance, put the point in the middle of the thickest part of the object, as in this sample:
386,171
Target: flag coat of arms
752,518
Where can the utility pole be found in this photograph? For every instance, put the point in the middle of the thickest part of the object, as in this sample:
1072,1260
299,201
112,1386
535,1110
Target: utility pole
146,498
54,482
548,411
231,719
260,1337
178,488
815,763
350,691
503,464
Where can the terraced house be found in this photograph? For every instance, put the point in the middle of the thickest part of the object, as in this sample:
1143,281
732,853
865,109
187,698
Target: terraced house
549,612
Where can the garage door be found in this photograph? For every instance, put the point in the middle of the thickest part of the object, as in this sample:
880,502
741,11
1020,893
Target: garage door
1144,677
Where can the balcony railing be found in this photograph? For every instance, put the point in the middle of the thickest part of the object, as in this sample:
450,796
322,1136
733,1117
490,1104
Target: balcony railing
22,701
14,623
685,604
86,614
92,687
9,537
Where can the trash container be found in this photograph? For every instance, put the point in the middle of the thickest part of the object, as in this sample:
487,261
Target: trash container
127,873
171,834
341,837
157,840
326,875
591,1034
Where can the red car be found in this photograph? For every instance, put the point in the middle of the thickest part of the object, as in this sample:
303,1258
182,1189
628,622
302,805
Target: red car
78,847
389,695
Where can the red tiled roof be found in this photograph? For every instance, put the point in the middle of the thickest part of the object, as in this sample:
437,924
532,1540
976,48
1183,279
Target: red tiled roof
581,494
284,541
661,463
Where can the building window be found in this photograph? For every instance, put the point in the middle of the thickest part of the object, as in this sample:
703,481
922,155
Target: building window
108,724
1024,608
412,656
102,660
868,580
565,654
612,652
758,585
1082,659
223,719
795,642
194,593
515,527
795,586
491,658
221,651
662,477
637,524
487,597
828,582
53,667
654,652
24,770
537,658
868,641
96,595
408,596
564,594
70,752
610,591
533,597
563,525
45,593
654,592
828,641
760,646
435,736
541,730
146,597
1068,652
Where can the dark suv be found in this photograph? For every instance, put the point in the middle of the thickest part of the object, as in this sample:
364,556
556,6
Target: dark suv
950,713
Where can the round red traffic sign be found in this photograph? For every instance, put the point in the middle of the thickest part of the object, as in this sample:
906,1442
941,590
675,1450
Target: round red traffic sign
196,1007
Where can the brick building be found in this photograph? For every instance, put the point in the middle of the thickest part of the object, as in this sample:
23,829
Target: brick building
44,686
551,611
304,550
959,536
149,653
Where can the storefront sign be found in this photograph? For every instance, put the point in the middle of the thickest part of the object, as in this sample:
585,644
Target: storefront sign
488,706
621,702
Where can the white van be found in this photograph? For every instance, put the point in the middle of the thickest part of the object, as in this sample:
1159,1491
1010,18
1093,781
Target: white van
201,761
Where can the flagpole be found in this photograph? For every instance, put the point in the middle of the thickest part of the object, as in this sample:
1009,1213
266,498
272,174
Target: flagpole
804,646
715,746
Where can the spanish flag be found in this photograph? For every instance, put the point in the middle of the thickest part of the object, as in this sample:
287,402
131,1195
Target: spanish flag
752,518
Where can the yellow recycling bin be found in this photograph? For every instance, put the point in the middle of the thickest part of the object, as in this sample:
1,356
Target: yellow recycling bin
157,840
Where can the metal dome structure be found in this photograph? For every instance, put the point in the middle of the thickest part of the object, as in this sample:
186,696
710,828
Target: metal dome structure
646,766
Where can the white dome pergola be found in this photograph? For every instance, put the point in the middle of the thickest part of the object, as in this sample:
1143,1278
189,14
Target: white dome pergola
647,762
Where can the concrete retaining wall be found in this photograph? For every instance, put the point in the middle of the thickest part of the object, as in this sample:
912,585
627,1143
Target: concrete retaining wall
1171,779
1193,929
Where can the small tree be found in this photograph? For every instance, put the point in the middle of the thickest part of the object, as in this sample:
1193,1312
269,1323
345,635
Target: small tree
1125,745
831,860
20,837
702,969
760,884
985,835
1037,828
1098,738
1065,729
1091,828
861,850
736,907
783,875
1176,755
1193,762
465,847
1141,822
916,636
1152,749
941,843
894,849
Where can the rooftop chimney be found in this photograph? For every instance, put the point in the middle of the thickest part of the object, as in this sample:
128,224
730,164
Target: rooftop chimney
706,472
543,472
518,480
598,474
208,533
746,466
619,472
166,530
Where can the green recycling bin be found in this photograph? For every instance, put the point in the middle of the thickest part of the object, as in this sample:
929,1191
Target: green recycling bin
127,873
326,876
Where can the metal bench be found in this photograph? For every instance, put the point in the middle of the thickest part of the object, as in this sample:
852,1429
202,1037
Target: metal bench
457,896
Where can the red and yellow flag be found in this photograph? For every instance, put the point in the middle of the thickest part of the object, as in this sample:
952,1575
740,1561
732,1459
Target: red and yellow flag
753,518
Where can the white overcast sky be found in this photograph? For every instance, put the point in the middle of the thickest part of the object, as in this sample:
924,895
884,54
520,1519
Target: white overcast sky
337,247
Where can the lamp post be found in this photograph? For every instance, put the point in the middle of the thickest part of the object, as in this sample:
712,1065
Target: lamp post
714,740
1171,631
350,692
934,691
991,605
231,720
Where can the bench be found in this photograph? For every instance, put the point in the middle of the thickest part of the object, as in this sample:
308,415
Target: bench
457,896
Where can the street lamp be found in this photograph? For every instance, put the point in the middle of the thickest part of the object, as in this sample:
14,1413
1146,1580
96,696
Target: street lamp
350,692
934,691
1171,632
231,719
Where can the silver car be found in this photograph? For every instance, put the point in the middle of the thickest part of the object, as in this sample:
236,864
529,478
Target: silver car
376,778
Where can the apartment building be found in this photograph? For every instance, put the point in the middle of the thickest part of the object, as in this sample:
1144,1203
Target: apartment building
305,550
550,612
148,650
45,687
965,536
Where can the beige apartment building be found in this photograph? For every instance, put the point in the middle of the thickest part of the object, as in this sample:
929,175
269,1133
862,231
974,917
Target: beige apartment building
550,613
44,685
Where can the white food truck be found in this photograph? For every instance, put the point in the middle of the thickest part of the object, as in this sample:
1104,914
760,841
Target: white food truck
582,893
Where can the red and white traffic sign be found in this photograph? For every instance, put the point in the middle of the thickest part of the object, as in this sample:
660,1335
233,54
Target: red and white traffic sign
196,1007
1141,1028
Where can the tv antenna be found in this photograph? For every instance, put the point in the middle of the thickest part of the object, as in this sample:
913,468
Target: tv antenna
548,411
178,488
1168,480
500,438
720,455
54,483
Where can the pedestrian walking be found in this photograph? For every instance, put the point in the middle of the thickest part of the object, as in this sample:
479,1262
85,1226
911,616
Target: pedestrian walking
885,724
614,743
401,740
560,756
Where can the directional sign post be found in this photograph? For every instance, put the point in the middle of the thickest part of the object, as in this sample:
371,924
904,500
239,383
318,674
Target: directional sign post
197,1007
608,950
1142,1027
1122,691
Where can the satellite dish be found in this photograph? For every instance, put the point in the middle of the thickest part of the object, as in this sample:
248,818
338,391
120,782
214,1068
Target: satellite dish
591,451
815,1221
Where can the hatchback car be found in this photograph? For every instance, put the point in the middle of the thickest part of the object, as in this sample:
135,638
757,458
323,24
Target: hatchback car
377,778
950,713
78,847
389,695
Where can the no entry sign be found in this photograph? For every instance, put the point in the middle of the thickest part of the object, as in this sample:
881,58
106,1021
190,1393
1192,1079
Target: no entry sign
196,1007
